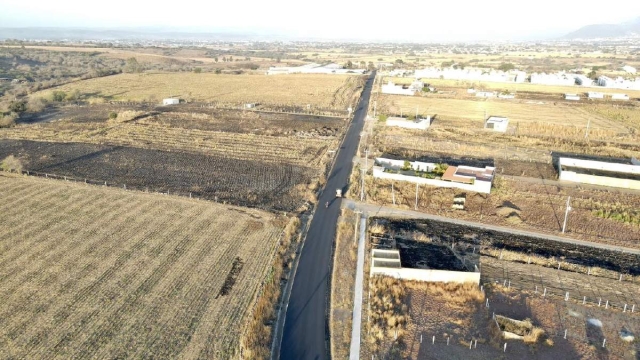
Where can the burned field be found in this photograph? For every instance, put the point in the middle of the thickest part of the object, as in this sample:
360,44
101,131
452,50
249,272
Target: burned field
241,182
485,240
422,255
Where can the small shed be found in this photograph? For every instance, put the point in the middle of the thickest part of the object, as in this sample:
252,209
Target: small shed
170,101
572,97
497,123
624,97
595,95
249,105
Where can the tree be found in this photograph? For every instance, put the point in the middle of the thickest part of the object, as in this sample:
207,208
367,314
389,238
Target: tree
11,164
224,59
218,71
18,106
132,65
399,62
506,66
363,64
230,58
406,166
215,59
349,65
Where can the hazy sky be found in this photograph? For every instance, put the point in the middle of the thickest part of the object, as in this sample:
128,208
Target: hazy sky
332,19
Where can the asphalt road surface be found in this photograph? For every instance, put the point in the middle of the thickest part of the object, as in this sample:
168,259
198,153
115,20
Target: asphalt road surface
305,333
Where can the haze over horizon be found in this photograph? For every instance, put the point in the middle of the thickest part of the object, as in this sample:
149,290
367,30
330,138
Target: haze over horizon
495,20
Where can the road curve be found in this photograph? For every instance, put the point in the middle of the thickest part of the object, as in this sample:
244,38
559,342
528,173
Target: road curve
305,334
378,210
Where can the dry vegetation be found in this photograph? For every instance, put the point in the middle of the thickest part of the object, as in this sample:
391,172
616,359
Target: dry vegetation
387,316
519,204
342,285
321,91
97,272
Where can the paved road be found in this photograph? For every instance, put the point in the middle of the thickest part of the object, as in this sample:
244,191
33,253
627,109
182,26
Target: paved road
377,210
305,333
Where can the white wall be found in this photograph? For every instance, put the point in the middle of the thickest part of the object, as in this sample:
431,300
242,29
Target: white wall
170,101
428,275
398,164
599,180
477,186
396,90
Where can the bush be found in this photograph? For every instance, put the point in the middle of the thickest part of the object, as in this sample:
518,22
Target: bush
113,115
8,120
18,106
11,164
58,96
382,117
36,104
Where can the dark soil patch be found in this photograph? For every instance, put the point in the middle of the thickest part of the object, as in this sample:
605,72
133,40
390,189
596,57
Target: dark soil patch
423,255
576,254
231,278
240,182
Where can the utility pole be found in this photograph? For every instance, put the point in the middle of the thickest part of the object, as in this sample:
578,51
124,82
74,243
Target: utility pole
375,104
393,195
566,215
586,133
366,160
362,187
416,196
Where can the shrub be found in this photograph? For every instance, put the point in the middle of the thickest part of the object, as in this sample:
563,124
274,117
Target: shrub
11,164
8,120
382,117
18,106
113,115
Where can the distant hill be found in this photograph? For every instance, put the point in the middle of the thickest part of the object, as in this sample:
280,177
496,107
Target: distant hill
627,29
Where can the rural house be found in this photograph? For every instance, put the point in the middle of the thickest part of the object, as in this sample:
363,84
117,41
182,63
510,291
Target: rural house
497,123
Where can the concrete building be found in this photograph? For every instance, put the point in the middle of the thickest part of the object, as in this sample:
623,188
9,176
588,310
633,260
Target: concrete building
314,68
460,177
595,95
497,123
418,124
560,78
583,80
572,97
623,97
409,90
599,173
387,262
170,101
629,69
619,83
474,74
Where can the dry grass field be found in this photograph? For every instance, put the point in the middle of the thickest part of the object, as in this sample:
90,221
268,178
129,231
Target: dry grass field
96,272
521,114
319,91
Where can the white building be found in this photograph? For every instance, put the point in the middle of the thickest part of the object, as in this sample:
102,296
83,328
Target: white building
583,80
497,123
474,74
418,124
314,68
460,177
572,97
599,173
623,97
595,95
170,101
560,78
619,83
629,69
410,90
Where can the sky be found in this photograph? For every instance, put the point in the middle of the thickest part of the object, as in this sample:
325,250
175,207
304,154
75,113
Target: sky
424,20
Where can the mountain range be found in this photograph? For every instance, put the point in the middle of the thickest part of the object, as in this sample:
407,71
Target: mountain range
595,31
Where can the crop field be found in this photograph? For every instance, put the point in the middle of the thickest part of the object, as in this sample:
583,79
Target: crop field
241,182
520,113
321,91
87,271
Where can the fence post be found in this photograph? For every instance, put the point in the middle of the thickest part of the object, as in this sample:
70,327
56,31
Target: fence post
633,308
625,308
606,306
505,347
604,341
566,296
448,338
599,301
433,340
584,300
475,344
544,293
565,333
